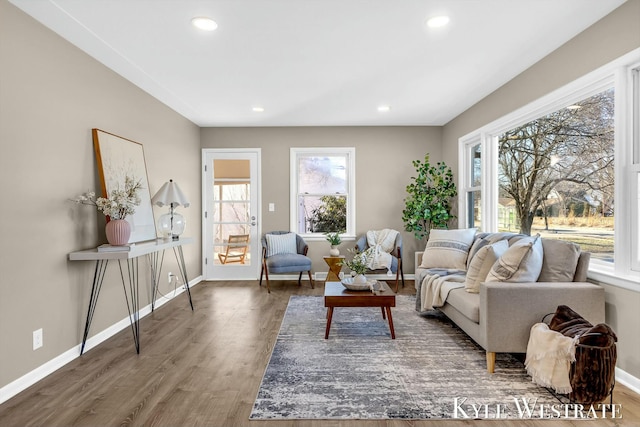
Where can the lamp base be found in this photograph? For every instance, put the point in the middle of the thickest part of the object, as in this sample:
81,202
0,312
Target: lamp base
171,226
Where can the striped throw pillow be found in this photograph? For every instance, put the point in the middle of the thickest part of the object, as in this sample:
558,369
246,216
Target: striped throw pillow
281,244
448,248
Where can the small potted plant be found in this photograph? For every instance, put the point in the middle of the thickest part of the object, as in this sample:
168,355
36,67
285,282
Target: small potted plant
358,265
334,240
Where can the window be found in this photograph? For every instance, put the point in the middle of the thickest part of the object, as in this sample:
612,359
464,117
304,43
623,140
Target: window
635,170
566,166
556,175
322,191
472,184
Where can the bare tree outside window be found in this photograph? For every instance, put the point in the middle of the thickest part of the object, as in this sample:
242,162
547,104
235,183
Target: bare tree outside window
322,193
557,173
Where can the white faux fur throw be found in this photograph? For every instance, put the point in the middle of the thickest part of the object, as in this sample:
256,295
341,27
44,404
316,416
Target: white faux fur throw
549,357
381,243
435,287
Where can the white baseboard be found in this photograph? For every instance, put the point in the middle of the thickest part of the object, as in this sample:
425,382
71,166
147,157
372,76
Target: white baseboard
628,380
30,378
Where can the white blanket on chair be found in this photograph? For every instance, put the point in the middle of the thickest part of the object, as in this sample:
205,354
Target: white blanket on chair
549,357
381,243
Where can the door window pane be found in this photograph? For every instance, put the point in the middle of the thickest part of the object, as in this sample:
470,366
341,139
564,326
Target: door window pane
231,214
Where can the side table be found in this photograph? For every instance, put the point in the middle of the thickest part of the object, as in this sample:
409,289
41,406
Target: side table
335,265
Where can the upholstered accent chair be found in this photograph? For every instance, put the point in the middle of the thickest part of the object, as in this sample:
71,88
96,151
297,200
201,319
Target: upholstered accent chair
284,252
396,258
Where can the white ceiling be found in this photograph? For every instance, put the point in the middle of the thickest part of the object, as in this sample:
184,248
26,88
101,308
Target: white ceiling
318,62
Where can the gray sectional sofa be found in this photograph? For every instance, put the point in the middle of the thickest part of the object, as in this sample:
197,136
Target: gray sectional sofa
500,316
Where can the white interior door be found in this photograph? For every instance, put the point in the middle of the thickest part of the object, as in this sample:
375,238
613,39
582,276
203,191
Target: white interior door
231,199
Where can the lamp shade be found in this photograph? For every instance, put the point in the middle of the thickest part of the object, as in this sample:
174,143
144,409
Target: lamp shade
170,194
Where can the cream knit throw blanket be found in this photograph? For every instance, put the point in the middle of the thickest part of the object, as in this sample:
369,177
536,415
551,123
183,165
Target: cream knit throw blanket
436,285
381,243
549,357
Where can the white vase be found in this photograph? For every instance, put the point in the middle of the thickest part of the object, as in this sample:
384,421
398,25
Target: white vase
334,251
360,278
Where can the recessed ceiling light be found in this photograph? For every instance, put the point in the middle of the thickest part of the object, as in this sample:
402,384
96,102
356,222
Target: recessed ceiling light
258,109
204,23
437,21
384,108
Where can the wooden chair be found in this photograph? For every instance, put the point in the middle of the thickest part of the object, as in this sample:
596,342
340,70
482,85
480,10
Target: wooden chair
237,246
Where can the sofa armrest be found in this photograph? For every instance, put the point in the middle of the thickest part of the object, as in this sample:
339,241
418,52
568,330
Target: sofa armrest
509,310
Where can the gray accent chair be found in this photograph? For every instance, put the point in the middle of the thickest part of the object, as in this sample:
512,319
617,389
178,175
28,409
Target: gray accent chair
396,261
286,263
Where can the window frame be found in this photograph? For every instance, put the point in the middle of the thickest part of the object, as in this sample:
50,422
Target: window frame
618,74
350,153
633,129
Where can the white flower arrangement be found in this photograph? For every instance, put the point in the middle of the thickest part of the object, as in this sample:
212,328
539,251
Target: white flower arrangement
119,204
359,263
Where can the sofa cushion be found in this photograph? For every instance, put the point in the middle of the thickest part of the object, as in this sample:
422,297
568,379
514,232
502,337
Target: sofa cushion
448,248
481,264
281,244
522,262
483,239
288,263
466,303
560,261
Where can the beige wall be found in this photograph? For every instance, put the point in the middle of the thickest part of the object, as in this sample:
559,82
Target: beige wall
51,96
383,170
613,36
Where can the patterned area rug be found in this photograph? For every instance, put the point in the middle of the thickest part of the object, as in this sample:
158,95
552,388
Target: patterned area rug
431,370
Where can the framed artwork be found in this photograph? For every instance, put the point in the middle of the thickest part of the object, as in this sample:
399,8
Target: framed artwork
118,158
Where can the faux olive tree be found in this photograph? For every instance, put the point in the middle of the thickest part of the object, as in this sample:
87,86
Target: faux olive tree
430,194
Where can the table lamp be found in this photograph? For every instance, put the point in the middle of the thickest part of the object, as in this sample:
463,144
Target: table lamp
171,224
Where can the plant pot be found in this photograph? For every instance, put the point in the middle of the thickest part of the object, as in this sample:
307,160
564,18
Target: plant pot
118,232
360,279
334,251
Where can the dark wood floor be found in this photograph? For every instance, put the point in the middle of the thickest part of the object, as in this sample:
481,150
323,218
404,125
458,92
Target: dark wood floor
200,368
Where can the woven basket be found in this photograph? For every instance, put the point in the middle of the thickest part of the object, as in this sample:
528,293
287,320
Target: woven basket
592,375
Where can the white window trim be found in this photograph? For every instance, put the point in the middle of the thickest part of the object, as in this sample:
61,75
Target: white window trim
349,234
617,74
633,108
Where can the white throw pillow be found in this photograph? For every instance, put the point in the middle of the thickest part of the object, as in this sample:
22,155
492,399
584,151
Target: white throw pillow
522,262
481,264
281,244
448,248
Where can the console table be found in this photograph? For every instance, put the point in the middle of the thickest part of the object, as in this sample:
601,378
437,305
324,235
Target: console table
154,251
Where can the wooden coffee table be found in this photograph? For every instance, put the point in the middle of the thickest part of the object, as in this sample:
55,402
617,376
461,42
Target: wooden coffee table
336,295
